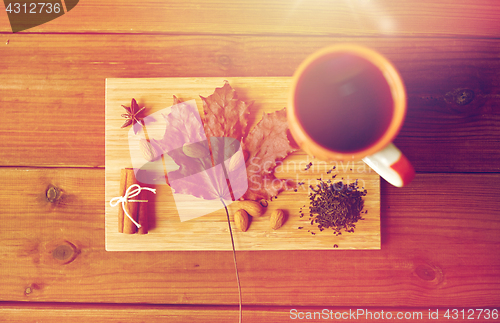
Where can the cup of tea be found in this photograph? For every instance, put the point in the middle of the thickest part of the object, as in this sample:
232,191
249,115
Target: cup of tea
348,102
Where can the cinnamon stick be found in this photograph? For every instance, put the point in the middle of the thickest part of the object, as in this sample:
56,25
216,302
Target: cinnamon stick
128,226
137,210
143,214
123,188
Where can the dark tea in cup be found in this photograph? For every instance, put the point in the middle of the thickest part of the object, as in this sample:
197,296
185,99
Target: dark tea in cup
343,102
348,102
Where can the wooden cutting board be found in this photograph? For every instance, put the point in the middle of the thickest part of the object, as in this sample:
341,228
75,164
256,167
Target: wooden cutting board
210,232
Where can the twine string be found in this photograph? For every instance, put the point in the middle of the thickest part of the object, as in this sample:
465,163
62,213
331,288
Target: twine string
132,191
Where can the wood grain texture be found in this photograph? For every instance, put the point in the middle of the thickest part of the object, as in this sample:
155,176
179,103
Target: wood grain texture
62,313
52,90
352,18
439,235
211,232
439,249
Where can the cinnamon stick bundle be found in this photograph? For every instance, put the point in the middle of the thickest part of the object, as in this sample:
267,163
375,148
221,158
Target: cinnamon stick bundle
137,210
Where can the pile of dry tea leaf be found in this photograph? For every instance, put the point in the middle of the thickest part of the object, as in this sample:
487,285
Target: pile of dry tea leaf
336,205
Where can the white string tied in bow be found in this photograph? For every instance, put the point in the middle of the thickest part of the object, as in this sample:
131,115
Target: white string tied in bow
132,191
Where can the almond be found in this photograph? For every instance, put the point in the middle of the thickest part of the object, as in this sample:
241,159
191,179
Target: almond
241,220
277,219
150,150
196,150
253,208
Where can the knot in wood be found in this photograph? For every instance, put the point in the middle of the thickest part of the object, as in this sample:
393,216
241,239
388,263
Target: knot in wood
66,252
30,289
62,252
52,194
425,272
224,60
430,275
464,96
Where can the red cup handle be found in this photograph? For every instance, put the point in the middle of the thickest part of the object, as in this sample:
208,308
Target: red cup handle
392,166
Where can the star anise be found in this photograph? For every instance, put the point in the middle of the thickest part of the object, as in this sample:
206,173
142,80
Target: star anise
132,115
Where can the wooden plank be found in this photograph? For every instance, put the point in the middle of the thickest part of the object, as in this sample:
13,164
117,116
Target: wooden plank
52,90
61,313
439,249
167,210
353,18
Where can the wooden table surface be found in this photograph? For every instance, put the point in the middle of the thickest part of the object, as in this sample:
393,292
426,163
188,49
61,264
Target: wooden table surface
440,235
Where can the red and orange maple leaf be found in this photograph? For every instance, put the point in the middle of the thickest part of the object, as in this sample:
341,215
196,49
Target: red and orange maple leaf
225,114
266,144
